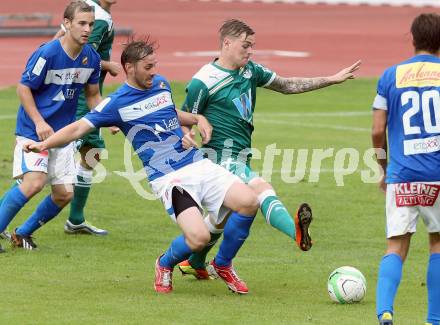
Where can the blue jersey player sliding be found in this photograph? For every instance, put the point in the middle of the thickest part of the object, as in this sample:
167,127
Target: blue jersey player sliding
49,88
408,105
185,182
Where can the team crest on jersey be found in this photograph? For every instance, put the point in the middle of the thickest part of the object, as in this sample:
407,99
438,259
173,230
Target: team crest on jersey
85,60
162,85
247,74
244,106
38,66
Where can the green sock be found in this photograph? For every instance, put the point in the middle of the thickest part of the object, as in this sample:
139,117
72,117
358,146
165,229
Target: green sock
198,259
276,213
80,195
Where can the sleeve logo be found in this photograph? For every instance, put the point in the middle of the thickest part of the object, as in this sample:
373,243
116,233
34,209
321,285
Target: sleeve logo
39,66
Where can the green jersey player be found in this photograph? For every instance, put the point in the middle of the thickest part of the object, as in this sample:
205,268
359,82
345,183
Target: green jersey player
90,146
224,91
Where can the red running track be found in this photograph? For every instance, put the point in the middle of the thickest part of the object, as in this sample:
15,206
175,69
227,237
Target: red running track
335,36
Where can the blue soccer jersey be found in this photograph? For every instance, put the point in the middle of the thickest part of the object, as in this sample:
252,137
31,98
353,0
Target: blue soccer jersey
56,81
148,119
410,93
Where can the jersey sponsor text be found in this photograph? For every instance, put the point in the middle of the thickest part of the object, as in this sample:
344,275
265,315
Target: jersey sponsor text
145,107
418,74
68,76
413,194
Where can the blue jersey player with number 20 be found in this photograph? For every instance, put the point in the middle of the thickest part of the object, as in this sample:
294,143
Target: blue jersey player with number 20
408,106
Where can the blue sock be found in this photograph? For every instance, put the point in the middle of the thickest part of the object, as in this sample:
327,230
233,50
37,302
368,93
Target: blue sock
433,284
15,184
176,253
46,211
12,202
236,231
390,273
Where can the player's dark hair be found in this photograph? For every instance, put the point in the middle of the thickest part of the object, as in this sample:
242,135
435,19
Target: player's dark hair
77,6
234,27
136,50
425,30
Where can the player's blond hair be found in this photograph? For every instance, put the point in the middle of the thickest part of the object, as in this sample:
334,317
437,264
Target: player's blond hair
234,27
77,6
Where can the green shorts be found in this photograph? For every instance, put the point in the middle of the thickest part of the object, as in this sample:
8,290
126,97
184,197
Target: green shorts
94,138
239,169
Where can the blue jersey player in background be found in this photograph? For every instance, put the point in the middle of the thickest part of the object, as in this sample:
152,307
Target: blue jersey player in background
144,110
408,106
49,89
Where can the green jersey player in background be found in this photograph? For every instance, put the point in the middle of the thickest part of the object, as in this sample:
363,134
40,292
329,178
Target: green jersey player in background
92,144
224,91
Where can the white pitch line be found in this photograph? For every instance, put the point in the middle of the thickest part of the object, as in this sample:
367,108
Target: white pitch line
314,114
317,126
7,117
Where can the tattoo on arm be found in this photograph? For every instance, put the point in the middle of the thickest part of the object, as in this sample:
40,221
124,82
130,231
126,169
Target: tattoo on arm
298,85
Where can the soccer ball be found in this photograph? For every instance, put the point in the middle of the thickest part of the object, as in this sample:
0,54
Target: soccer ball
346,285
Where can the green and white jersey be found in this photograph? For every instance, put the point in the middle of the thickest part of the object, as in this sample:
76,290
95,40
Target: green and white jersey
101,39
227,99
103,33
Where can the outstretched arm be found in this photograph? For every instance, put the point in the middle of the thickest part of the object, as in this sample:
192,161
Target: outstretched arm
66,135
295,85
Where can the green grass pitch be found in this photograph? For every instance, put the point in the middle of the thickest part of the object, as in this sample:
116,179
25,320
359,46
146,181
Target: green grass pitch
90,280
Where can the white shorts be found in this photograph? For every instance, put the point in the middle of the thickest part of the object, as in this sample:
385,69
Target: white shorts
405,202
206,182
57,163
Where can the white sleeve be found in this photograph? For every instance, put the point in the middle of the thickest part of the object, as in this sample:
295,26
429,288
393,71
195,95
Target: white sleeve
270,80
380,102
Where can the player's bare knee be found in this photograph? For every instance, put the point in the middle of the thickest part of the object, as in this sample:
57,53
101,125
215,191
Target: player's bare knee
62,199
35,188
398,251
30,189
259,185
249,205
198,240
